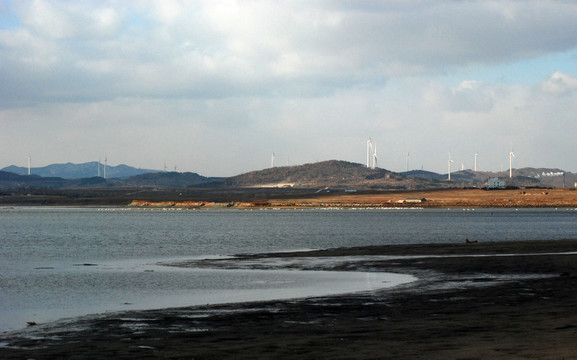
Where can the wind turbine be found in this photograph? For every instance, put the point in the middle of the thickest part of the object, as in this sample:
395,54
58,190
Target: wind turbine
476,155
450,162
375,158
511,156
272,160
29,163
369,151
407,161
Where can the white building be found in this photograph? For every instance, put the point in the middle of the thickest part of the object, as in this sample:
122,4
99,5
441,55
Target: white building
495,183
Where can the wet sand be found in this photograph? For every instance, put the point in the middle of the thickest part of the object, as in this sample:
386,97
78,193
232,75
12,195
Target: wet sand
509,300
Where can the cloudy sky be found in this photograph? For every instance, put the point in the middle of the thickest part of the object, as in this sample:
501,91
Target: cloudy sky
216,87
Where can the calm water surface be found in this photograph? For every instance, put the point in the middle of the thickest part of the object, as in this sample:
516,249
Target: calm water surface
61,262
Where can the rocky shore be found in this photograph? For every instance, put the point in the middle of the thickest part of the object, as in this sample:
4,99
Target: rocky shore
506,300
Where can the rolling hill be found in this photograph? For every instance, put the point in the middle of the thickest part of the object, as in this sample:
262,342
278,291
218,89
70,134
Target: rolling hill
332,173
524,177
79,171
326,174
10,180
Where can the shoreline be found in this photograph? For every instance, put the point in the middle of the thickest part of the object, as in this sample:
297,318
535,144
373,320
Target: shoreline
306,198
446,198
515,301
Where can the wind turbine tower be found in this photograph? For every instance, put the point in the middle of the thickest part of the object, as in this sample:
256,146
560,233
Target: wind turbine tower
375,158
272,160
476,155
450,162
511,156
29,163
407,161
369,151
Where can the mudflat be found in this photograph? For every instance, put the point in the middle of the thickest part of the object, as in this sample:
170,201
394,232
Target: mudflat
498,300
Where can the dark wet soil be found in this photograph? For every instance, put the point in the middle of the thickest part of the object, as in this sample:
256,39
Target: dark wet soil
510,304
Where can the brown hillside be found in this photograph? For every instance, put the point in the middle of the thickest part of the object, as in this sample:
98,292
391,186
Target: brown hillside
332,173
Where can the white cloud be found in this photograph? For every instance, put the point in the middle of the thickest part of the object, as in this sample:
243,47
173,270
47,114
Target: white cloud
310,80
559,83
472,96
264,47
61,20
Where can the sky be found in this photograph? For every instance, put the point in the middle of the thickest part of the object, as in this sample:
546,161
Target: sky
216,87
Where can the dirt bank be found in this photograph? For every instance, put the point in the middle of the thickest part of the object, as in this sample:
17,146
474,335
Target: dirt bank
431,199
443,198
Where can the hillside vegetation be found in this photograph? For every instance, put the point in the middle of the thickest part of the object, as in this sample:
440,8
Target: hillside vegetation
332,173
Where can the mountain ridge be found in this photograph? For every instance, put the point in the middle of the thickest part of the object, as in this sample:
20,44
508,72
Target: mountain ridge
329,174
79,171
325,173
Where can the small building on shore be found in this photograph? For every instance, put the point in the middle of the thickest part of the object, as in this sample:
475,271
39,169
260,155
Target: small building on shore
414,200
495,183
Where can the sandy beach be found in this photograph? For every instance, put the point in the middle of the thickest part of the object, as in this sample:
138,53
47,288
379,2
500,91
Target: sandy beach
505,300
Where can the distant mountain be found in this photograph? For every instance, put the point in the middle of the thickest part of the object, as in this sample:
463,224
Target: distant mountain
326,174
549,177
10,180
332,173
523,177
79,171
422,174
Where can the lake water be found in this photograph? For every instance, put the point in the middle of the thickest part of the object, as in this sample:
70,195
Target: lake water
65,262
